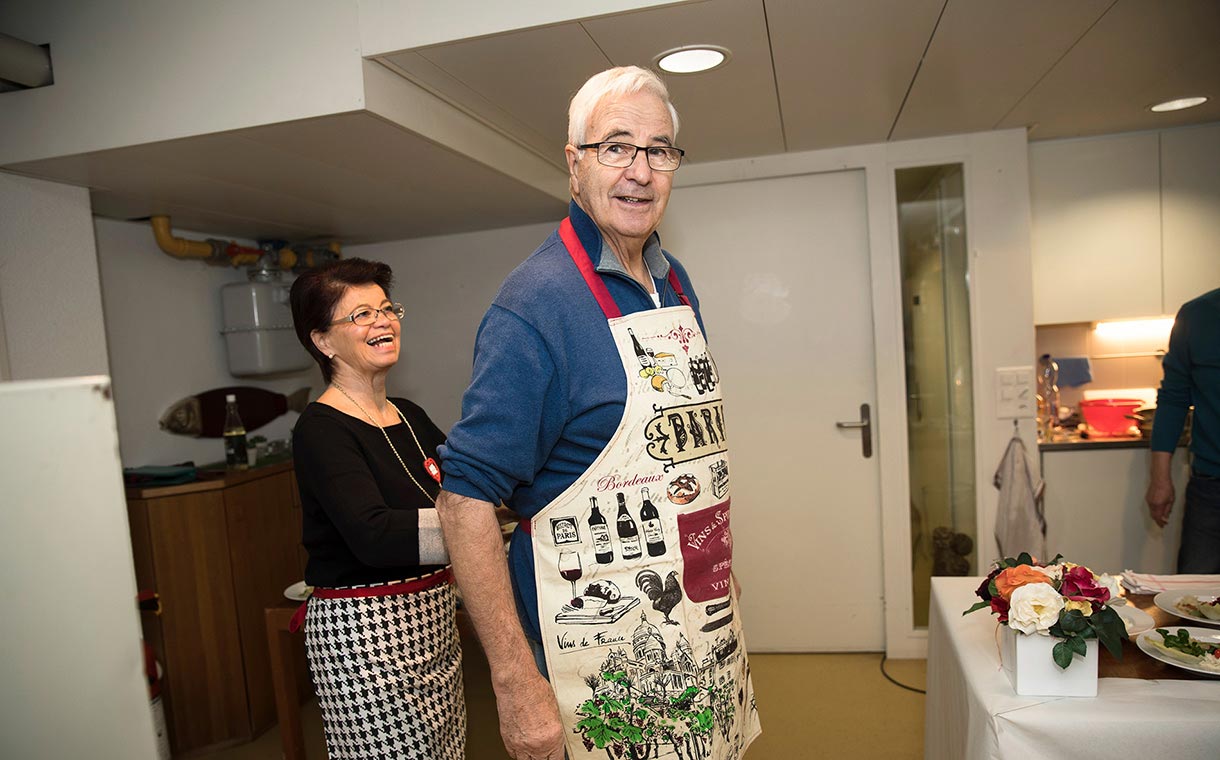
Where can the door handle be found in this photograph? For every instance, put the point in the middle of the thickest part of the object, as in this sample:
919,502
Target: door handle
865,426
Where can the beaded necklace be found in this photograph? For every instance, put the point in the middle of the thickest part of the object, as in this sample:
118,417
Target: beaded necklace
429,463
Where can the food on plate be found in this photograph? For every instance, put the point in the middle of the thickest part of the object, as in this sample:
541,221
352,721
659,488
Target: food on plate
606,590
1182,647
683,489
1196,607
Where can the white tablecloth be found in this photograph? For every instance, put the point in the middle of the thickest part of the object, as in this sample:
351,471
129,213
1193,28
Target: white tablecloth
973,713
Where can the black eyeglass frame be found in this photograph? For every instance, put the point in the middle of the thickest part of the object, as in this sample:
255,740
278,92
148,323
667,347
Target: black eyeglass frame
394,311
597,147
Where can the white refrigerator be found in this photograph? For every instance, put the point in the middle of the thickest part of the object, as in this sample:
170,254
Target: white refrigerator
72,681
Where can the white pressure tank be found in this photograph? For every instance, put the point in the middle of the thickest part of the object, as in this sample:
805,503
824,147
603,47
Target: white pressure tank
258,327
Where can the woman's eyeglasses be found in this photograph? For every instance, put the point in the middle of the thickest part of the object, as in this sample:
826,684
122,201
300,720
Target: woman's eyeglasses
367,315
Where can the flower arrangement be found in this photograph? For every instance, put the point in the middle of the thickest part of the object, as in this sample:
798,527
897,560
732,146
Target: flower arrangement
1060,599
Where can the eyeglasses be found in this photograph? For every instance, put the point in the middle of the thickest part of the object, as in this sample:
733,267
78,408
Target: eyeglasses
366,315
621,155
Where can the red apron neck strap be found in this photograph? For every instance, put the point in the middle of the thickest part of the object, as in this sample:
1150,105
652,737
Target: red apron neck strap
677,286
577,251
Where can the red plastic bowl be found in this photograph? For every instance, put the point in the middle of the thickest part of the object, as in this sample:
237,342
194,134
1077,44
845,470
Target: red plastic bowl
1108,416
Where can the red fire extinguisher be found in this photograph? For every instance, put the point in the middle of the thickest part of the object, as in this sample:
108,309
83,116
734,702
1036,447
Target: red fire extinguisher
148,601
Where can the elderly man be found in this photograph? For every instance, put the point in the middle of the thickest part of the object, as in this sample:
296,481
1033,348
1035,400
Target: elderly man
594,412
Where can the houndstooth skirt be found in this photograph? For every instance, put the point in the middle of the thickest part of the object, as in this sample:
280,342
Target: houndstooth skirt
388,673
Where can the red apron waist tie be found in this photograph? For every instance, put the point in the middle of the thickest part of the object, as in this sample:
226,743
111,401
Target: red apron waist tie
413,586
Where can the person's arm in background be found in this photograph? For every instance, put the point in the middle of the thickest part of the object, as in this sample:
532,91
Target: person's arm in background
508,426
529,715
1173,400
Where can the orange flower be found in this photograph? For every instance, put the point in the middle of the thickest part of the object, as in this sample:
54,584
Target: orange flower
1015,577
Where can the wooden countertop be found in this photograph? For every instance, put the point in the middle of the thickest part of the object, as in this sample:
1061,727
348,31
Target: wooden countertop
1136,664
212,480
1094,444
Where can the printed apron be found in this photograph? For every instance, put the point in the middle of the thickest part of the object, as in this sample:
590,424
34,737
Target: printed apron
640,624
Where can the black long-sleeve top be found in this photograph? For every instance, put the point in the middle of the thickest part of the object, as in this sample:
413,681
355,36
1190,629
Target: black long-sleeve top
360,511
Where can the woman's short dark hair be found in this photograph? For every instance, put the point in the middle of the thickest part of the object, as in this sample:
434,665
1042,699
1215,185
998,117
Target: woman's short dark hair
316,292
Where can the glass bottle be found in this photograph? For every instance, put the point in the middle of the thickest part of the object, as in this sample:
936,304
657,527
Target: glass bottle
235,436
1048,397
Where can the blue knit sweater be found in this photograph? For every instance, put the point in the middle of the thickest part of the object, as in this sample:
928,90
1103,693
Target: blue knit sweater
548,388
1192,376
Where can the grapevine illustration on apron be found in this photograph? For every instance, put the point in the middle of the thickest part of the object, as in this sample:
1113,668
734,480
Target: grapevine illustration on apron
640,623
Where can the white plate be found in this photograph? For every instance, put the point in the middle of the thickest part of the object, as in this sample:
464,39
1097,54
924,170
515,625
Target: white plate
1166,600
1136,620
298,592
1206,635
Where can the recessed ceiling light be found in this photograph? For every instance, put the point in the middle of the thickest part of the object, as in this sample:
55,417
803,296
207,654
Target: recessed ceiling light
1178,104
692,59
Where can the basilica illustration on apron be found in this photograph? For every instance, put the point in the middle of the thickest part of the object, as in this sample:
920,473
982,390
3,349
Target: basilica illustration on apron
640,622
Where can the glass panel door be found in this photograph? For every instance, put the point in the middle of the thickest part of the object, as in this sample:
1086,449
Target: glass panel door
940,400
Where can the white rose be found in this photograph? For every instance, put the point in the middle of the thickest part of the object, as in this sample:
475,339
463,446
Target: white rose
1054,572
1034,608
1111,582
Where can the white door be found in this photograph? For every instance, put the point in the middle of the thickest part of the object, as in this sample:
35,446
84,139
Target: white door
781,268
72,672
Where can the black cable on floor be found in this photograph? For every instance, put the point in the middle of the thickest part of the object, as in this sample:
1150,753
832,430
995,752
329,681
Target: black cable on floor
896,683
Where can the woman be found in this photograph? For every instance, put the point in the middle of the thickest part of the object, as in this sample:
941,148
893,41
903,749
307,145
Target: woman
380,630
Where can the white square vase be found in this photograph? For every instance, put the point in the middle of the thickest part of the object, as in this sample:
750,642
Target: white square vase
1032,670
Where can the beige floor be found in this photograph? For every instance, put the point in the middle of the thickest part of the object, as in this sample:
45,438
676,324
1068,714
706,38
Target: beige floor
836,706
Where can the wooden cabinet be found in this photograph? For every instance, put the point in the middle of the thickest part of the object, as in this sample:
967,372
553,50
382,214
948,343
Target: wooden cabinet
1124,226
1096,229
1095,510
218,553
1190,194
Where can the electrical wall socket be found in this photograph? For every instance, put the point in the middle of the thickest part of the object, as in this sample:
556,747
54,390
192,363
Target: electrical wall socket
1015,396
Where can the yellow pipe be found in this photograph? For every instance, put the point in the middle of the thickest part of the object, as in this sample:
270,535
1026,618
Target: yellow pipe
178,247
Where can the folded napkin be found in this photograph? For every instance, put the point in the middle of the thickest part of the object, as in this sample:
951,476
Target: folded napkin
1147,583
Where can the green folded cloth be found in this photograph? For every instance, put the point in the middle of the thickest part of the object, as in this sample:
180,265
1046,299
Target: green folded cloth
151,476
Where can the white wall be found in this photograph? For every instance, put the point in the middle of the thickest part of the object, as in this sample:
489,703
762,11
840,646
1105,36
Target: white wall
129,72
163,322
446,284
50,297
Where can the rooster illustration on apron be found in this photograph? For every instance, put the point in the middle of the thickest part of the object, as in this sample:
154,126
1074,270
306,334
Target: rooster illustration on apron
640,622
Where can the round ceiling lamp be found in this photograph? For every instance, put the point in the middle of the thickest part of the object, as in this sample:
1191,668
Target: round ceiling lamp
1178,104
692,59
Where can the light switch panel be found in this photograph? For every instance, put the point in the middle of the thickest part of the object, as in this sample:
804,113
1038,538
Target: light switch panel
1015,397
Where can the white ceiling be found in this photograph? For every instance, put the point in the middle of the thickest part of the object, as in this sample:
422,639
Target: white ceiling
804,74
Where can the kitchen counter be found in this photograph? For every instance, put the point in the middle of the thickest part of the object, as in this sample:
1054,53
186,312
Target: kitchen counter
1095,510
212,480
1094,444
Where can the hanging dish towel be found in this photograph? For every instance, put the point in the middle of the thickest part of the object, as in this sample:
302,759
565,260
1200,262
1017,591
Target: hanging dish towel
1020,525
1074,371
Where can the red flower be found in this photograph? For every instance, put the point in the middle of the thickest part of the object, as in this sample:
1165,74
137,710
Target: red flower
984,589
1079,585
999,605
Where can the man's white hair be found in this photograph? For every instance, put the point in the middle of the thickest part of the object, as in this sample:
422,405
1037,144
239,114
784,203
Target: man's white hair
623,80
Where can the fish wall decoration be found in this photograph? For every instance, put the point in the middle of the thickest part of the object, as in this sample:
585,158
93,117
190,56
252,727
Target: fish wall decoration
203,415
